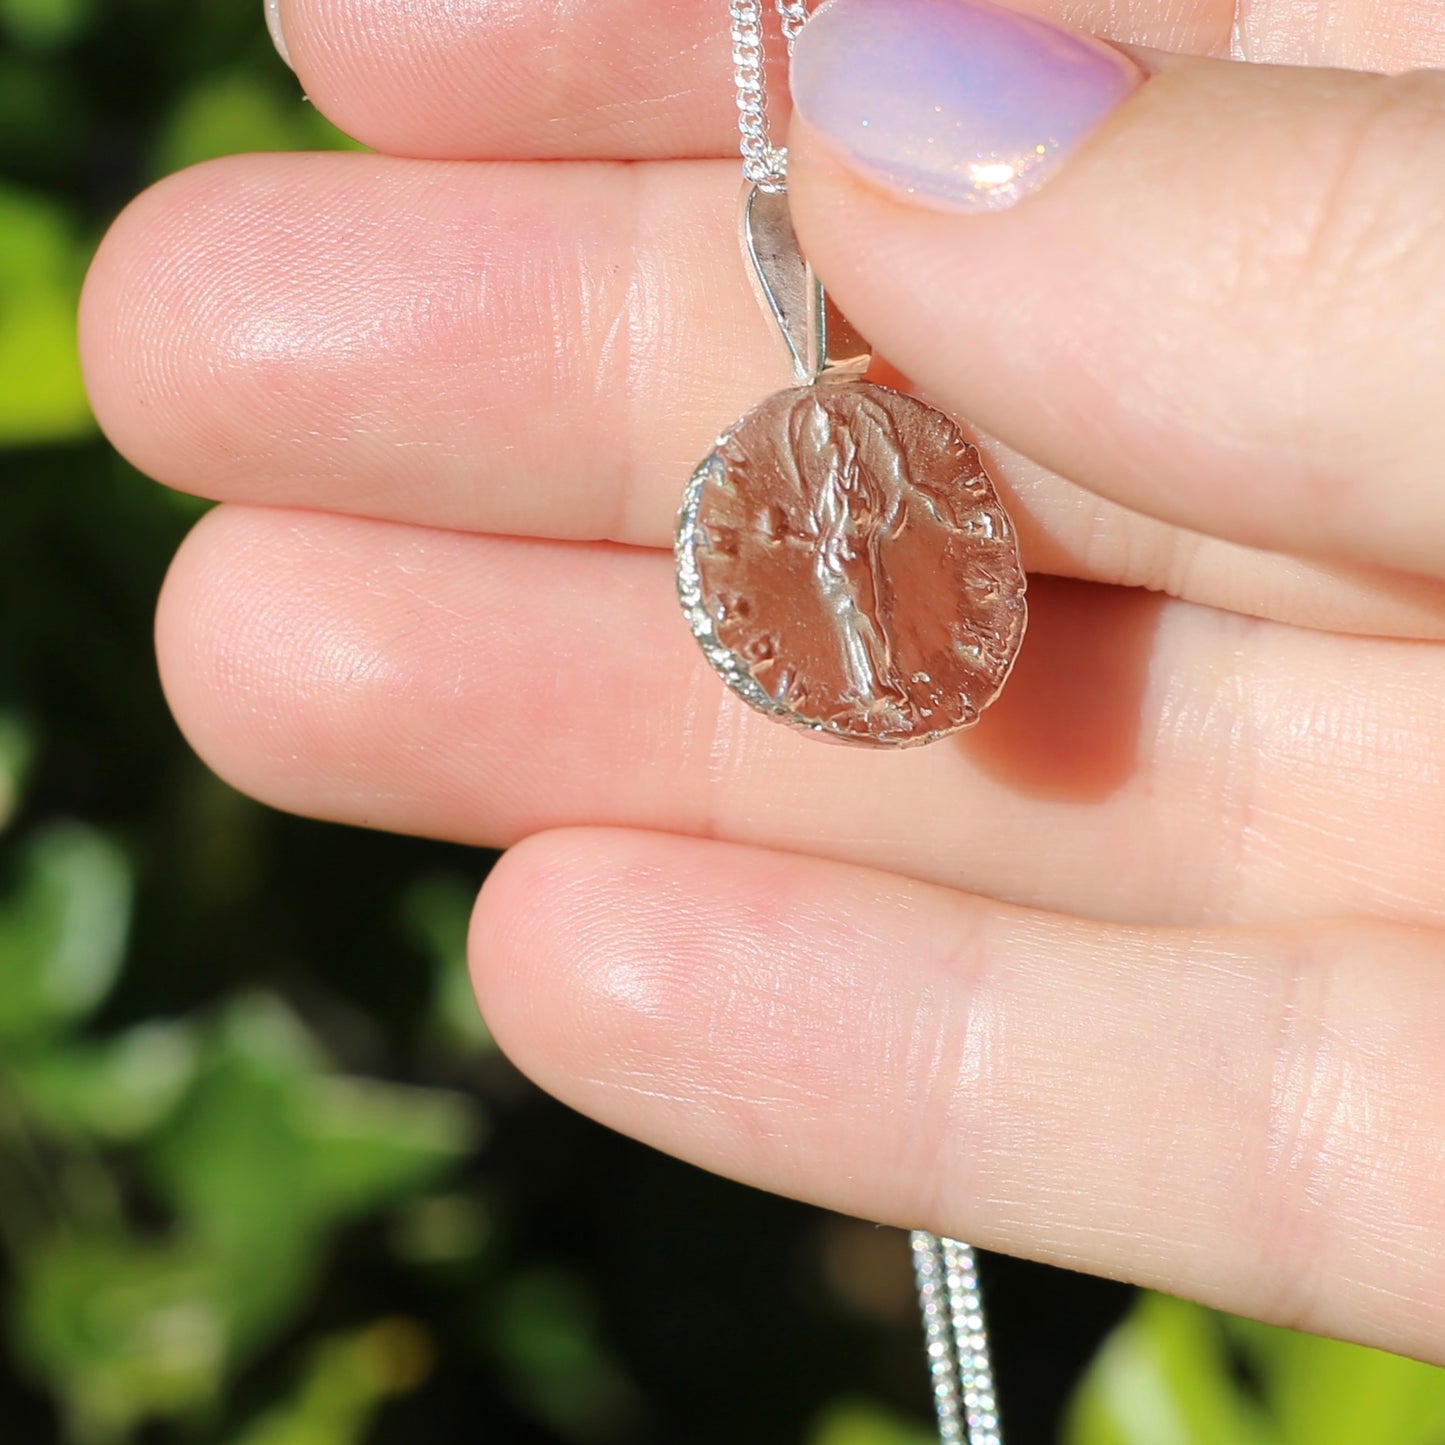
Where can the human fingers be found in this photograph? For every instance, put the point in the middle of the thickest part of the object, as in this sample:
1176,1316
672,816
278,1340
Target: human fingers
543,350
1148,761
1253,1119
629,79
1222,308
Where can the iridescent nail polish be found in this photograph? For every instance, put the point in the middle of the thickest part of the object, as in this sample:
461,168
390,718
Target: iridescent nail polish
960,104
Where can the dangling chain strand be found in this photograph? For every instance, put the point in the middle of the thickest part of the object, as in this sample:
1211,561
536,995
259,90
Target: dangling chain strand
956,1340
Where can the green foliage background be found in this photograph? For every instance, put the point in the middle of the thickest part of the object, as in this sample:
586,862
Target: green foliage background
263,1178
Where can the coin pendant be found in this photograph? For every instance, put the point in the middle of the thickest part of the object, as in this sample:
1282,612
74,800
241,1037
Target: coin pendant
847,566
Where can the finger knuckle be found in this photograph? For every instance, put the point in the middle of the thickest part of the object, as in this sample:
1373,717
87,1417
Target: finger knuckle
1305,1118
1348,1129
1375,197
1342,269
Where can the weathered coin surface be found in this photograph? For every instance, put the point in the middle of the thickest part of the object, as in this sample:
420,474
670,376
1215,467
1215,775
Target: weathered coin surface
847,566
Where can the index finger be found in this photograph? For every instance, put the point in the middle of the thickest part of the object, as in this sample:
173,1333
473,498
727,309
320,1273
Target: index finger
586,79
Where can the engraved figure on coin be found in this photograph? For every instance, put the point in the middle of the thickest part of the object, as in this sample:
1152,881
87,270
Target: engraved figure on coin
859,504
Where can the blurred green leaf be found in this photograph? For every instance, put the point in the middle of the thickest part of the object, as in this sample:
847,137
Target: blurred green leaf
62,930
42,395
271,1144
443,1228
231,1160
546,1336
121,1330
232,1165
238,112
856,1422
270,1149
44,24
1320,1391
368,1143
1170,1375
17,748
117,1089
436,914
42,115
1163,1377
349,1377
38,243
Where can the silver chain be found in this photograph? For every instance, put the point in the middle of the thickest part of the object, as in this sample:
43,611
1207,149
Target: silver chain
957,1341
764,164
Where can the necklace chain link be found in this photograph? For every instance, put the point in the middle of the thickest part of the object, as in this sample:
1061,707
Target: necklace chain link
764,164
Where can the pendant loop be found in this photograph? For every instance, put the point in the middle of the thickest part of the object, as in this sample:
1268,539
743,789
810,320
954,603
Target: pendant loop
822,344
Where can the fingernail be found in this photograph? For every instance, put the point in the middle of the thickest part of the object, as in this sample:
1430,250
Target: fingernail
960,104
273,24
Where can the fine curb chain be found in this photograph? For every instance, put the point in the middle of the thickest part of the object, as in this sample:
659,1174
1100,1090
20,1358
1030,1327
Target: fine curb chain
948,1293
764,164
957,1341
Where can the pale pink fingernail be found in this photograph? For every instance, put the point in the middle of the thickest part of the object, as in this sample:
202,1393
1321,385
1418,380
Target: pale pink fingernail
957,103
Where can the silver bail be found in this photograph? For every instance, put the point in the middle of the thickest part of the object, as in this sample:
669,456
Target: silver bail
822,344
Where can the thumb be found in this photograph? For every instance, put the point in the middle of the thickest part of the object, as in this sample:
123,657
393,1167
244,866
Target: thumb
1214,295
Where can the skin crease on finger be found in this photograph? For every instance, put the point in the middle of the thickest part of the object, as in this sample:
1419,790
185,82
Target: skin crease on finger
377,337
1149,761
1252,1118
641,79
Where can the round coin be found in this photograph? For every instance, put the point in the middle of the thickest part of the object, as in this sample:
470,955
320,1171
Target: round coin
847,566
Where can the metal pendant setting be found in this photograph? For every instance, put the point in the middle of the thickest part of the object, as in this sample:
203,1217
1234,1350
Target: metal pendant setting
843,558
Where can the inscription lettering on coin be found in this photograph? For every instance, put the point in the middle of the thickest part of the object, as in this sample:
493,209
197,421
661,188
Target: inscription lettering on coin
846,565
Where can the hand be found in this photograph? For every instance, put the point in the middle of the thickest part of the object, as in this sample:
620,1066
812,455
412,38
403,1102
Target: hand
1144,975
